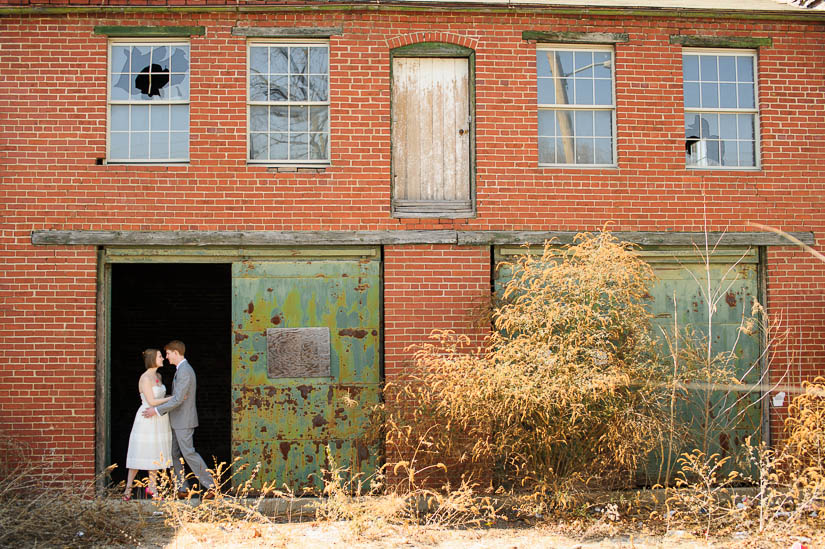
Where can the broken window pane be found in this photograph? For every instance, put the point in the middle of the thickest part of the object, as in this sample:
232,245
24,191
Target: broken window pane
722,83
149,119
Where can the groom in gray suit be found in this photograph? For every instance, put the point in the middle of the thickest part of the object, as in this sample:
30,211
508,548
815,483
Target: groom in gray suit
183,417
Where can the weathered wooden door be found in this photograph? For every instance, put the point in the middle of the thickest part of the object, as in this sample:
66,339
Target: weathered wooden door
431,136
305,364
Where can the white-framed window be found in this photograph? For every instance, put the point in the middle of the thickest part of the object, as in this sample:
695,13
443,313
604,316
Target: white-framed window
288,102
576,105
148,101
721,110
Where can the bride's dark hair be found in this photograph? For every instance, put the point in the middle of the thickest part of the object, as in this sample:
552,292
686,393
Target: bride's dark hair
149,358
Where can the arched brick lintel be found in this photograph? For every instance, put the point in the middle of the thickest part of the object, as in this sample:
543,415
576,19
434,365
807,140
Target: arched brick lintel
419,37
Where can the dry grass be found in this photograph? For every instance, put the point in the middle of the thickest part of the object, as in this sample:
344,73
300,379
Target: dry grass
37,510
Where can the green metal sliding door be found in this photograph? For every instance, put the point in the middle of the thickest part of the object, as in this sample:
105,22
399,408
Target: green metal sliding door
305,363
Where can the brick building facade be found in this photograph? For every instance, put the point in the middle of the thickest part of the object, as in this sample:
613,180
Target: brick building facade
89,208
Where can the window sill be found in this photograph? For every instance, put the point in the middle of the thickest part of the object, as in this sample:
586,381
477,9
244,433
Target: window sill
318,168
157,163
579,166
724,168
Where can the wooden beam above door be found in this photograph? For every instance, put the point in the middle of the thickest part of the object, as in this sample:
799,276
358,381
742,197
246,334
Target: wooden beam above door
371,238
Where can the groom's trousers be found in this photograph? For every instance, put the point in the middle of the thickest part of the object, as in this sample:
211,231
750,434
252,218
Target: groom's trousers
183,445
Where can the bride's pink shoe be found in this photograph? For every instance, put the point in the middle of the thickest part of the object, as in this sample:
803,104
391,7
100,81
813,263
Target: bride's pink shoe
151,495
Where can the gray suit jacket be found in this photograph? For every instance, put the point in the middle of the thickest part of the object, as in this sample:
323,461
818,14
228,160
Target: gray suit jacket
181,409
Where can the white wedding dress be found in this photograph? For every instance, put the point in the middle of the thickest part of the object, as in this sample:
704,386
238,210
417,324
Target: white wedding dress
150,443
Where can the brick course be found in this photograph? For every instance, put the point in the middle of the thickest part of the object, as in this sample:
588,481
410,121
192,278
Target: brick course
53,128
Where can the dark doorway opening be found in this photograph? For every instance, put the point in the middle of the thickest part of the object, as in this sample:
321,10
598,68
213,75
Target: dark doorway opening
152,304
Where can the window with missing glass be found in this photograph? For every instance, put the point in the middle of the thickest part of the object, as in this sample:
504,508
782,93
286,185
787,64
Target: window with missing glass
289,103
576,106
721,122
148,102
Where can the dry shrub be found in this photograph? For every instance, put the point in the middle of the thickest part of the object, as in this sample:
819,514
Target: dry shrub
37,510
703,495
567,390
805,426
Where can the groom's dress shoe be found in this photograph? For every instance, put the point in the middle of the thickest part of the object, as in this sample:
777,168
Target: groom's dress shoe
183,494
209,494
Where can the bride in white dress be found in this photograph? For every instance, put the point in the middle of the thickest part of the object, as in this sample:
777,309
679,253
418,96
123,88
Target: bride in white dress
150,443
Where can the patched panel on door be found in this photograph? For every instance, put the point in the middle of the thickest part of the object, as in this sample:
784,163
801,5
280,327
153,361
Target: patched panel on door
297,352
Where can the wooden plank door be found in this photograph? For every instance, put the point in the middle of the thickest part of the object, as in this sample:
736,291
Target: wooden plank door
431,128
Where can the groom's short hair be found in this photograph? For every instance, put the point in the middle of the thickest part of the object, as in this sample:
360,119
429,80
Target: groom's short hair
176,345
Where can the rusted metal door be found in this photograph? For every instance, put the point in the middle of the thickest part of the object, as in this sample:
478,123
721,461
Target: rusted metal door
719,416
431,127
305,364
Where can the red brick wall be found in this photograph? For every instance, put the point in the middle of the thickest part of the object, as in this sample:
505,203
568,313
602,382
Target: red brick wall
53,124
427,288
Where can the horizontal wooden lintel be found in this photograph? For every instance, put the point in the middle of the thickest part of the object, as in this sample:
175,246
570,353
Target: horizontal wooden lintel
287,32
695,41
340,238
148,31
576,37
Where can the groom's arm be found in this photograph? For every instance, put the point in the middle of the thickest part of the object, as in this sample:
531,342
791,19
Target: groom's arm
182,384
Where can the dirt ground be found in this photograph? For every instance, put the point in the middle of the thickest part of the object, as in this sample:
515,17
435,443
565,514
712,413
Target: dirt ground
157,534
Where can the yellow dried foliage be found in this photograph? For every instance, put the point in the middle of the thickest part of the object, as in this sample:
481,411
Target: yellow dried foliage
567,389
